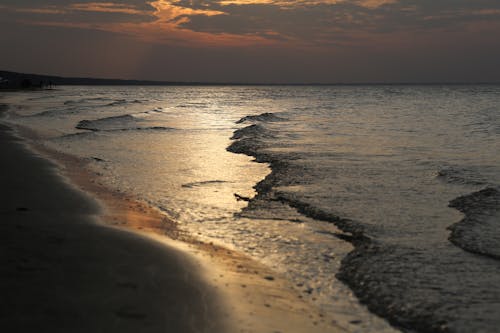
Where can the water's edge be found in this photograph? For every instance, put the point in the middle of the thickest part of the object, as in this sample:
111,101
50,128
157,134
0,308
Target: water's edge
357,269
482,214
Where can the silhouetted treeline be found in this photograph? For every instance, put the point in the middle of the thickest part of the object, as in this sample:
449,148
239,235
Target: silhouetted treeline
13,80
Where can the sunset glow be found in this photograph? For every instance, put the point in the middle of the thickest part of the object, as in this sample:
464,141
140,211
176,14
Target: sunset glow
221,166
343,33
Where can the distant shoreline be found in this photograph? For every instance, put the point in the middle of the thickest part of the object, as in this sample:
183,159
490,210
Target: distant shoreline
15,80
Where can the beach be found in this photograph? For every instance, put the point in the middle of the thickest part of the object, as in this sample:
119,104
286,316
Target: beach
80,261
62,272
300,209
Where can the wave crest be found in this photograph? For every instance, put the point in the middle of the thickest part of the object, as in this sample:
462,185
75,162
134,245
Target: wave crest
264,117
118,124
109,123
461,176
479,231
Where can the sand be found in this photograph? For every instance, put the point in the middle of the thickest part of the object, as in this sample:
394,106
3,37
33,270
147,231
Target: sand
77,257
62,272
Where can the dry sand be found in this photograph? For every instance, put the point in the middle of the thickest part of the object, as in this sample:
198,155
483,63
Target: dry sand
67,267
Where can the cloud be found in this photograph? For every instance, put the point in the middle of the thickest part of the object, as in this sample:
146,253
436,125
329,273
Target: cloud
302,3
79,13
255,40
161,22
169,11
106,7
301,23
47,10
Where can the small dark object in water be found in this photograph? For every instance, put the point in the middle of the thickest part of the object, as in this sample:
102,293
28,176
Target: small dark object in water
241,198
22,209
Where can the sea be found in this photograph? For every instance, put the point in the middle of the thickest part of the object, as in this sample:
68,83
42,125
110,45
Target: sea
379,203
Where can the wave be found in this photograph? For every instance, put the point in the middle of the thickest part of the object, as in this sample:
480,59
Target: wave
150,112
74,107
95,132
479,231
120,123
461,176
84,100
124,102
354,232
393,280
117,102
109,123
388,278
55,112
41,97
147,128
379,274
250,141
203,183
251,131
264,117
194,104
367,270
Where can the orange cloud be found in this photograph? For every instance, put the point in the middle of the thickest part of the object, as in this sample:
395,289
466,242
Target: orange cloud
164,28
47,10
167,28
170,22
167,11
372,4
106,7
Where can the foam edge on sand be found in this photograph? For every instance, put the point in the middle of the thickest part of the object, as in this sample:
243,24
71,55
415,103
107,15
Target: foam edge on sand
254,298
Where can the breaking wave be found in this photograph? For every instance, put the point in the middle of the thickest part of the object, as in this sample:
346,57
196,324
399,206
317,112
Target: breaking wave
109,123
203,183
264,117
250,141
118,123
461,176
479,231
86,100
124,102
251,131
41,97
392,280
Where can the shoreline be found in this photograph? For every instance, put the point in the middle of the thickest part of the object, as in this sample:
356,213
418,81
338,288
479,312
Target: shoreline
62,271
257,299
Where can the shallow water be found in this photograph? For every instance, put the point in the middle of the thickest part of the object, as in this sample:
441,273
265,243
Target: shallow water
375,166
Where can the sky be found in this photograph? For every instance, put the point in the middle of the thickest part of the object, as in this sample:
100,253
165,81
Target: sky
255,41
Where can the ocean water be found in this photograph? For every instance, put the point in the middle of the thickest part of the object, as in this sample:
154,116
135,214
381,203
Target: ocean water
384,195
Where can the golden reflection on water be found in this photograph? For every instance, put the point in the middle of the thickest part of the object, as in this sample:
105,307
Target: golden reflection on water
192,171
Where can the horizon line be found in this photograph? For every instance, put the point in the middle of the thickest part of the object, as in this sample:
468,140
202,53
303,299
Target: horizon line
146,82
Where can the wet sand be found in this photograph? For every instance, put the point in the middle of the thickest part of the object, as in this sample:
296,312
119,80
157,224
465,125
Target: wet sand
62,272
66,266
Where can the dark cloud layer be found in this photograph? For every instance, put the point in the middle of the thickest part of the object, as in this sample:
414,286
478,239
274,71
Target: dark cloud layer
55,11
311,21
255,40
